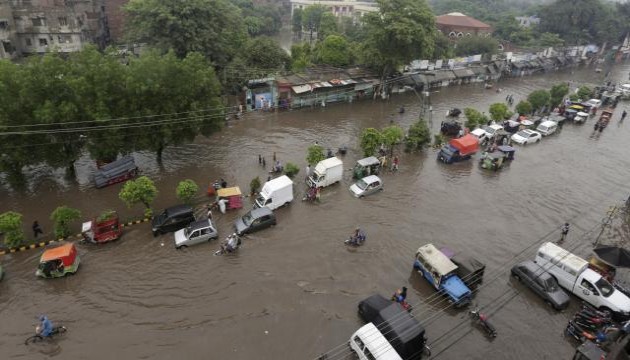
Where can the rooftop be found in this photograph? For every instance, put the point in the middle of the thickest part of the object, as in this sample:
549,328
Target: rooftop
459,19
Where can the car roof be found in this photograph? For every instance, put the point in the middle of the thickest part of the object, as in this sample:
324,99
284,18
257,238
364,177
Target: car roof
436,259
200,224
57,252
368,161
370,179
548,123
179,209
259,212
536,269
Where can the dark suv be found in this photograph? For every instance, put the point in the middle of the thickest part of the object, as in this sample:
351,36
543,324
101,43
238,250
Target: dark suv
172,219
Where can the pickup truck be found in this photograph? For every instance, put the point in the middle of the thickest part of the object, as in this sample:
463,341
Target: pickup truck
391,332
441,273
573,274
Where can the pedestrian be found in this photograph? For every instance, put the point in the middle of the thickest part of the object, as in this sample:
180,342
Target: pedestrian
259,159
565,231
223,183
264,163
308,170
395,163
623,115
274,156
209,213
36,229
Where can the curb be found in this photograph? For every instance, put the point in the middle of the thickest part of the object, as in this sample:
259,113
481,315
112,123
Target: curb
47,242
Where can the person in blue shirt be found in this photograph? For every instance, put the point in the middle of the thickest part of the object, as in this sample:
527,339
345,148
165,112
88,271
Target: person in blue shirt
45,326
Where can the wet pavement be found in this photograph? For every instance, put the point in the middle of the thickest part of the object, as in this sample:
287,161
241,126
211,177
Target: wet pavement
291,291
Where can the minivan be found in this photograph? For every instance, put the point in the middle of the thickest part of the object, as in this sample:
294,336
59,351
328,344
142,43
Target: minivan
546,128
172,219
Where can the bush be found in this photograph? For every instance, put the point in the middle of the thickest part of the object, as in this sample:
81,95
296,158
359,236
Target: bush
254,185
62,216
474,118
438,140
186,191
141,190
315,154
523,108
291,170
418,136
106,215
11,226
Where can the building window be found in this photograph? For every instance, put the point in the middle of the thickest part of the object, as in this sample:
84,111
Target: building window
4,24
63,21
43,42
452,34
64,39
468,34
79,21
39,21
6,44
28,42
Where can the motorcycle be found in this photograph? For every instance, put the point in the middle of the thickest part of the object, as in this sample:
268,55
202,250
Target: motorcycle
57,330
356,241
578,333
311,194
485,323
226,248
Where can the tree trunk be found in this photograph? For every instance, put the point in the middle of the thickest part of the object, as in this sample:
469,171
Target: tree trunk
158,154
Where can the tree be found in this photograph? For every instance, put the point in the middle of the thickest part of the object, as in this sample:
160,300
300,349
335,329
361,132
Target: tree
538,99
312,17
314,154
327,25
186,191
371,139
141,190
418,136
335,51
557,93
499,111
472,45
11,226
214,28
443,47
296,21
291,170
254,186
266,54
62,216
401,31
474,118
577,21
392,135
548,39
523,107
584,92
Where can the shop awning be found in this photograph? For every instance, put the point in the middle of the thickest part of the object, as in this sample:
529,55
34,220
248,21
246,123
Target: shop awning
299,89
443,75
462,73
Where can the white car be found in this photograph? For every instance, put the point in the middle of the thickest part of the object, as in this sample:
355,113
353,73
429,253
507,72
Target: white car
196,233
491,130
366,186
481,135
526,136
594,103
547,127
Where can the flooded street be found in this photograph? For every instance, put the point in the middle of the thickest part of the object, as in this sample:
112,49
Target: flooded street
291,291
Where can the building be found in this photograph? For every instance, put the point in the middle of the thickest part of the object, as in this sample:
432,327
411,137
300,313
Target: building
527,21
39,26
457,25
115,18
353,8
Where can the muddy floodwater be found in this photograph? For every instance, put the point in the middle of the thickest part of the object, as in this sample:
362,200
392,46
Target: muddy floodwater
291,291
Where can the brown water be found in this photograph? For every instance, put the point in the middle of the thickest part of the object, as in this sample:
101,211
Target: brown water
291,291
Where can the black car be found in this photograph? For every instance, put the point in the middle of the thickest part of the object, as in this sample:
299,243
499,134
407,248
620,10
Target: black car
254,220
172,219
450,127
539,280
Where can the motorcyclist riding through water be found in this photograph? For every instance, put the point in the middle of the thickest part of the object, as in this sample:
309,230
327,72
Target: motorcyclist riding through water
45,326
231,244
357,238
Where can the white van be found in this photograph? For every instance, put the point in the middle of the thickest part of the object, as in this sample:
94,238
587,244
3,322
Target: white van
327,172
275,193
547,127
369,344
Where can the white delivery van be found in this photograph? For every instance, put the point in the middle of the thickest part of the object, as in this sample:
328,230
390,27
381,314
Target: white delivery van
369,343
573,274
327,172
547,127
275,193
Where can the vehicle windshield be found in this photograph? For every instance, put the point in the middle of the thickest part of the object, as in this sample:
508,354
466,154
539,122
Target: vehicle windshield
523,134
552,284
162,216
247,219
362,184
542,127
604,287
261,199
489,130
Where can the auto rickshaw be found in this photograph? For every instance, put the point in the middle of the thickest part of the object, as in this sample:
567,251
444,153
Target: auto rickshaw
58,262
495,159
232,195
365,167
103,229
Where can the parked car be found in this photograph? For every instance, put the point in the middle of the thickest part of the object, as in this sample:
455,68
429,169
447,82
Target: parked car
481,135
594,103
580,117
196,233
172,219
526,136
491,130
254,220
542,283
366,186
547,128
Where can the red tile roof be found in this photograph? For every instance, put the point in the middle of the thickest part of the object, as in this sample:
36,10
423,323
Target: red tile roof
459,19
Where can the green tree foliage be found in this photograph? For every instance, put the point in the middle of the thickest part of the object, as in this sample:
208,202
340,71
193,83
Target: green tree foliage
315,154
335,51
139,191
11,226
538,99
214,28
557,93
371,139
62,217
549,39
327,25
584,92
401,31
254,185
266,54
296,20
418,136
187,191
262,18
312,18
471,45
392,136
580,21
291,170
443,47
474,118
524,107
498,111
301,55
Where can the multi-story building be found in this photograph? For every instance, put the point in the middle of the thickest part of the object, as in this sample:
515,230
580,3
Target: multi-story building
38,26
353,8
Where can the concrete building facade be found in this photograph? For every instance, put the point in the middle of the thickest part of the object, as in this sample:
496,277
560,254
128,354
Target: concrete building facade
351,8
39,26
